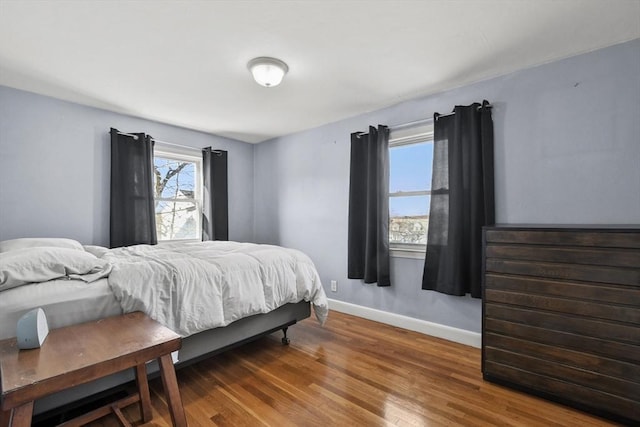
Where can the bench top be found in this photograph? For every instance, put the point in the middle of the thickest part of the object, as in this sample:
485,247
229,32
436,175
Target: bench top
81,353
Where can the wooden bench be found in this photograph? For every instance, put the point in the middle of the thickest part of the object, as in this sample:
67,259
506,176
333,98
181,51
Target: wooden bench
82,353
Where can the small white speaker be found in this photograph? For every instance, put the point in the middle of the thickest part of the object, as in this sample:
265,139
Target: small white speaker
32,329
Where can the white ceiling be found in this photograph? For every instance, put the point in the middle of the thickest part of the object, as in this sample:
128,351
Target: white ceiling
184,62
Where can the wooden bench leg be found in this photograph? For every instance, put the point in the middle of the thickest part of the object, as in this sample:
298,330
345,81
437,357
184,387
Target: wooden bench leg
5,418
21,415
172,391
143,390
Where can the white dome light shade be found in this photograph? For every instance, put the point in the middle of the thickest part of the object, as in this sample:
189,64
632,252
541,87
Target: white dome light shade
267,72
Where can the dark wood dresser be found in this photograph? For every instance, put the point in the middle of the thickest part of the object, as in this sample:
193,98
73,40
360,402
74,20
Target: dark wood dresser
561,315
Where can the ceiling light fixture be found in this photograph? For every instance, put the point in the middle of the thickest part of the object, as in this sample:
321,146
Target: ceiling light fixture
267,72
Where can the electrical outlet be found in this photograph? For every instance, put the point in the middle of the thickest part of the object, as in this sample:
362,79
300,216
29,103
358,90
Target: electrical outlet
334,286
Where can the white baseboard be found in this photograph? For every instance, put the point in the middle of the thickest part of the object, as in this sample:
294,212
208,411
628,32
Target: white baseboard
473,339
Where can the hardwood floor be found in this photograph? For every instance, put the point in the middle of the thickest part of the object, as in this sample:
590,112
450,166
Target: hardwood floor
351,372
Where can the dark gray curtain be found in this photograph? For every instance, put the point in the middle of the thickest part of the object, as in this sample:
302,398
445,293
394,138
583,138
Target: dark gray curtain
368,244
133,218
462,200
215,207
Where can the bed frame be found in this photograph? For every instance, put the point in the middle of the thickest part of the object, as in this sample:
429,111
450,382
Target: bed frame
194,348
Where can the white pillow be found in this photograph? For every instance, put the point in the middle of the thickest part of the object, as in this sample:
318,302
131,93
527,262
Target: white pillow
39,242
29,265
96,250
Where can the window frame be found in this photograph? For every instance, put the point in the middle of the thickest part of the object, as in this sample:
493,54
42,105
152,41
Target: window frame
399,137
180,155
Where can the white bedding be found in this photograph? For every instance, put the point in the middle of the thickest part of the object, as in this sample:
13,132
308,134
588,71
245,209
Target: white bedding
65,302
190,287
23,266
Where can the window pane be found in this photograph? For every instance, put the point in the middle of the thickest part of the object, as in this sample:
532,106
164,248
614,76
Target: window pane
409,219
177,220
410,167
409,206
174,179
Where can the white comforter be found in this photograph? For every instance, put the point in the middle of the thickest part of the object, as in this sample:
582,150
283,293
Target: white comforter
191,287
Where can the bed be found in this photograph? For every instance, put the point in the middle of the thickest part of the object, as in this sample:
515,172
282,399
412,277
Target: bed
216,295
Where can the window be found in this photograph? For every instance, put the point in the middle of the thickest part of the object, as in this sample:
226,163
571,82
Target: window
410,165
178,196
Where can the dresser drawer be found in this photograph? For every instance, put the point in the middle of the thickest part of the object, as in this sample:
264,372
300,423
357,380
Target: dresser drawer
584,291
587,327
566,237
612,257
566,305
560,354
563,271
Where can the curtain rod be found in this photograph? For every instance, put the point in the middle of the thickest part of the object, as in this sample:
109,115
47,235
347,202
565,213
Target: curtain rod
427,120
176,145
168,143
413,123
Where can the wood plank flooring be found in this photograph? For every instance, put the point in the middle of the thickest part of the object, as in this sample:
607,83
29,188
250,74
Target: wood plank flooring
351,372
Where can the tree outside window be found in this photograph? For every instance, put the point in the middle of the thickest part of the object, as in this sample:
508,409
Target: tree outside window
177,197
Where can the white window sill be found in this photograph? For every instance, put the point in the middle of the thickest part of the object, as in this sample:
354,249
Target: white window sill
160,242
407,253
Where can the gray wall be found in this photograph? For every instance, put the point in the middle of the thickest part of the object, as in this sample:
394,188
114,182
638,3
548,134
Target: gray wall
567,150
54,168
